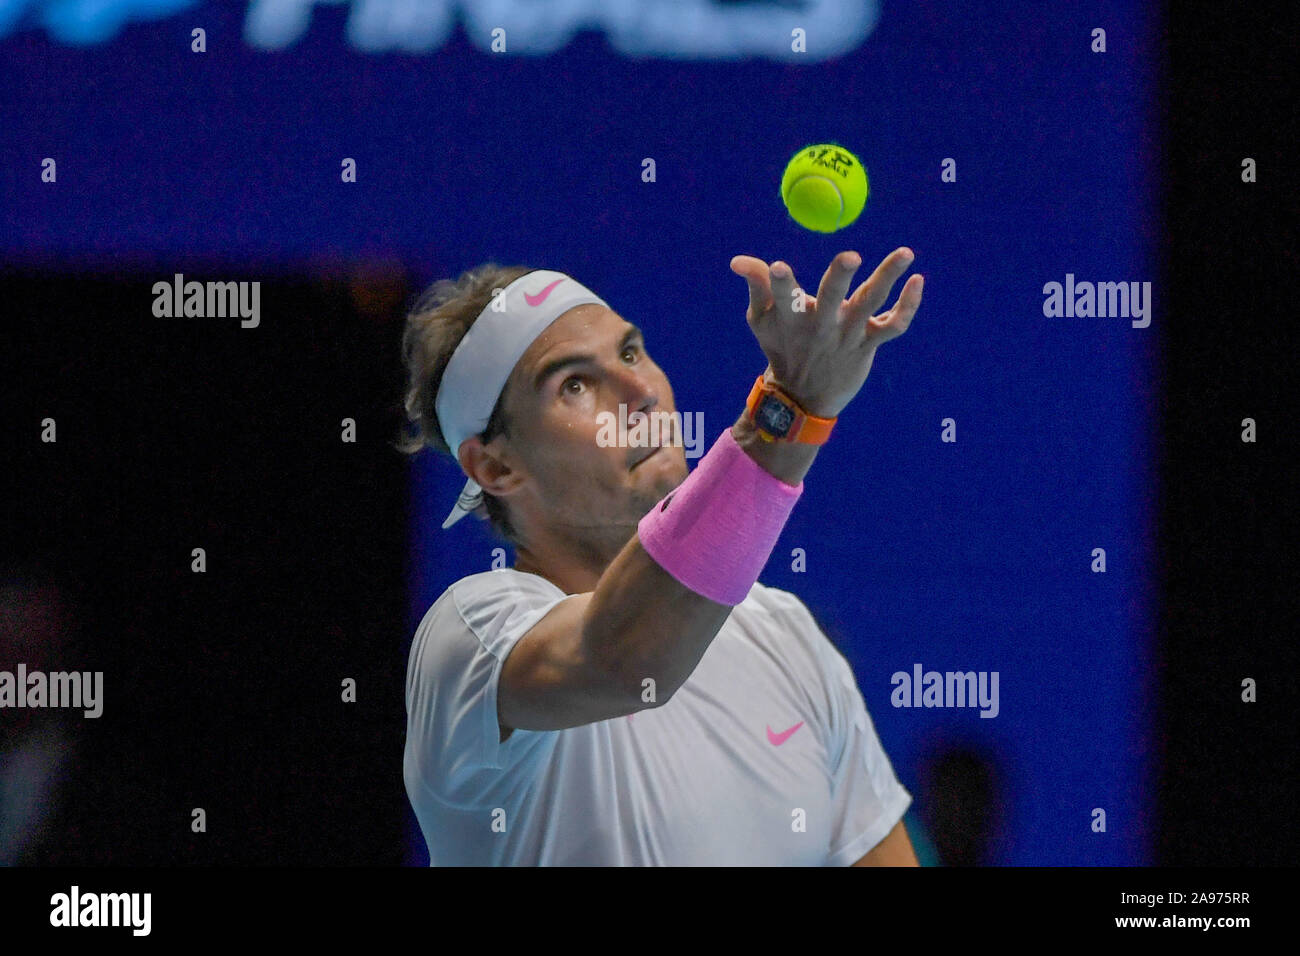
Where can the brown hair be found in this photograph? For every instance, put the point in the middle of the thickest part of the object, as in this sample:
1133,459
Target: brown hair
436,324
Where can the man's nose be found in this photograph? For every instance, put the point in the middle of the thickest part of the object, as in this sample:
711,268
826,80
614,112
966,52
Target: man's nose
638,389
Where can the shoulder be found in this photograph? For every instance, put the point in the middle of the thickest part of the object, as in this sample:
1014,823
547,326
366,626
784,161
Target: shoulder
775,600
483,609
506,586
784,609
785,617
475,599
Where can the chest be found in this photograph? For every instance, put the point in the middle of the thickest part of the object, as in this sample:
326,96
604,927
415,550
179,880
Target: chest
740,756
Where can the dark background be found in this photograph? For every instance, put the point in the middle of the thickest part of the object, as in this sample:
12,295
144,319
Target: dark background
1227,575
172,437
234,699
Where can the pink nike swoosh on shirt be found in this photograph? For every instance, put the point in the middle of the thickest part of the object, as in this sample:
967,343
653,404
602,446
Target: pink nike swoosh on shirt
541,296
777,740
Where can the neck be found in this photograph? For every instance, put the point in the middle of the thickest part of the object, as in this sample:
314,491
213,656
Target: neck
574,567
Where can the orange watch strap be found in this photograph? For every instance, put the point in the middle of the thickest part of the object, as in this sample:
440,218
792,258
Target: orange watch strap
811,431
814,430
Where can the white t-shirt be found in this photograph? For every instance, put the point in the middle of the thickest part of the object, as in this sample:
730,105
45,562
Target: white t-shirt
765,756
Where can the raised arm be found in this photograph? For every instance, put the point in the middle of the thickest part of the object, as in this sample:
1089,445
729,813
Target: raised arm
589,658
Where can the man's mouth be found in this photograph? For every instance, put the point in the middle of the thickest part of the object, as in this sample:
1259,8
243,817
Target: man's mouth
650,453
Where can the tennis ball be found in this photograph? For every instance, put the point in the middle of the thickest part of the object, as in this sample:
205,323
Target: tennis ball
824,187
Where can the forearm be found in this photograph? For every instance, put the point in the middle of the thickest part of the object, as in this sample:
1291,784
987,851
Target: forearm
643,621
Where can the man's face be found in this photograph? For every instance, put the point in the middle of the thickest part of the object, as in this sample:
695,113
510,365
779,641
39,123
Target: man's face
588,362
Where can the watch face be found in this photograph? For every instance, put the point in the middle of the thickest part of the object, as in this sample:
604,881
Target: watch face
774,417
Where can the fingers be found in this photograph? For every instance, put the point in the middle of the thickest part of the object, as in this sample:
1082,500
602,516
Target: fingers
871,295
775,285
895,322
783,288
771,289
755,273
835,282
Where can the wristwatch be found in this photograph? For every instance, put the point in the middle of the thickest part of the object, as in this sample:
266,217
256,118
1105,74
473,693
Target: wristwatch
778,417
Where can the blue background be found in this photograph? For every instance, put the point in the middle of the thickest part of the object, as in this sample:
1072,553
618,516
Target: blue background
966,556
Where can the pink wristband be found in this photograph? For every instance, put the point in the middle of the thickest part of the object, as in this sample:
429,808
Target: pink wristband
716,530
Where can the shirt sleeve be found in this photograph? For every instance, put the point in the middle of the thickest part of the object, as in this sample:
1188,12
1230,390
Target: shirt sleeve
867,799
453,746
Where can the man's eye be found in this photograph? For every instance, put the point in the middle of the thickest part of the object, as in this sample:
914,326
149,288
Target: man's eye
631,348
572,380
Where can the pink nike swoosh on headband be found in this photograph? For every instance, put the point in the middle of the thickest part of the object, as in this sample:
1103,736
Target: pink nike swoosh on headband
541,296
777,740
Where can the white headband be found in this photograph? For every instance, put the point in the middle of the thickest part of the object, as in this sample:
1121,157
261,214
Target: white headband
482,363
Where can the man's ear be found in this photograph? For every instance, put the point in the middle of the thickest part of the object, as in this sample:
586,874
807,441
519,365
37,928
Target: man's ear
491,466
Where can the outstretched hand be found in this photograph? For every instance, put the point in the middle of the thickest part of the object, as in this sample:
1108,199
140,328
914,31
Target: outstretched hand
821,348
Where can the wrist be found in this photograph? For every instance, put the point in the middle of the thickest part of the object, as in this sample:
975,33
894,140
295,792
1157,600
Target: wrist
780,417
716,530
787,461
810,405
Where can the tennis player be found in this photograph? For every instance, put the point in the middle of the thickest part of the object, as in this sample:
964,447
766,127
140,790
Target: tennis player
628,693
